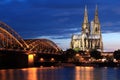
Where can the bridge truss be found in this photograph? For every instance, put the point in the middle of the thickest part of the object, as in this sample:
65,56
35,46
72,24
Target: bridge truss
42,46
9,39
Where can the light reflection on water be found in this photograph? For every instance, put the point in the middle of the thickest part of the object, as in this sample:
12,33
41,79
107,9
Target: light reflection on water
83,73
54,73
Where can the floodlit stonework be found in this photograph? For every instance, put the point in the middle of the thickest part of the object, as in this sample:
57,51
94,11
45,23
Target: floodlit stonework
90,37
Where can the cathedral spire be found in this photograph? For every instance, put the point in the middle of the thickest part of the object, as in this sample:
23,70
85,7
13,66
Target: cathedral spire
96,19
85,15
85,25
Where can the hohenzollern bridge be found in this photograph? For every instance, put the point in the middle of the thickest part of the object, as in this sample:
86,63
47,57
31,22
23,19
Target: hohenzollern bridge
9,39
11,42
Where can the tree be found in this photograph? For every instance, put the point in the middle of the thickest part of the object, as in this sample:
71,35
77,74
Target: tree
70,53
95,54
116,54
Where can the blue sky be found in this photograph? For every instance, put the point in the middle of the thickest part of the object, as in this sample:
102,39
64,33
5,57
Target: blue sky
57,20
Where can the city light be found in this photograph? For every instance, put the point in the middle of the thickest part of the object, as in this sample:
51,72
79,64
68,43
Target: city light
30,59
52,59
41,59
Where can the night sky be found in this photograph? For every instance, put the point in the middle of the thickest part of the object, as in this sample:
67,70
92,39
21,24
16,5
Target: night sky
57,20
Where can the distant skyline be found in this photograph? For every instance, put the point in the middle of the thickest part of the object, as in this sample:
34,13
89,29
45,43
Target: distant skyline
57,20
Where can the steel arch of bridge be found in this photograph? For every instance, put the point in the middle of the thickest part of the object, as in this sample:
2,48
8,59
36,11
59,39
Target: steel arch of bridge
43,46
10,31
9,39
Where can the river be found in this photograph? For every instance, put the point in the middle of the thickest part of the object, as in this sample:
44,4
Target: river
61,73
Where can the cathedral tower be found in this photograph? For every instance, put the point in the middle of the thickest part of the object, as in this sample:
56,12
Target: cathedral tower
85,31
85,25
96,24
96,32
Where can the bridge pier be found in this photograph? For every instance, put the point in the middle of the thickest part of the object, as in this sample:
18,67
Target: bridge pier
31,60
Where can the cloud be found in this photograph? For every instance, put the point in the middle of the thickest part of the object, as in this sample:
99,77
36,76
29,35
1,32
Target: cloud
74,29
111,43
110,27
62,41
57,19
54,37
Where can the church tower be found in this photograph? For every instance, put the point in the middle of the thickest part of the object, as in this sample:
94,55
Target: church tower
85,24
96,24
96,32
85,31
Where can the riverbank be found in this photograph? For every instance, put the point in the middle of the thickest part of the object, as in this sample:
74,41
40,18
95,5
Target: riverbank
73,64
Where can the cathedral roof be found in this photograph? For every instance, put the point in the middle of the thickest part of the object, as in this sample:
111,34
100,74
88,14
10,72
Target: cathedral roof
94,36
76,36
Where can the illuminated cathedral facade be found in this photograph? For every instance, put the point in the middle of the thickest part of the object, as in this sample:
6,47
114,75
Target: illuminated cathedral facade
90,37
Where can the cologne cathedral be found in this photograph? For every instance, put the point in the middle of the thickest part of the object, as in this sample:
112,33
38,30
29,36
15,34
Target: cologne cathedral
90,37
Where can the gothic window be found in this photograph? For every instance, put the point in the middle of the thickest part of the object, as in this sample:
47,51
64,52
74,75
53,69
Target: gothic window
96,29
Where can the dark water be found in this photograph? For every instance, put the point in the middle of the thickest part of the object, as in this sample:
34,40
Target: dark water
54,73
